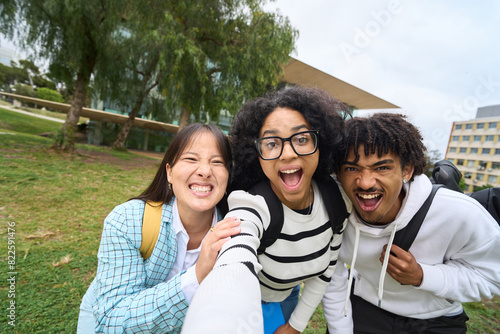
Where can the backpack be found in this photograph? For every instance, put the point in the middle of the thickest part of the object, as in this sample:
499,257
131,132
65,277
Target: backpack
332,198
446,174
151,222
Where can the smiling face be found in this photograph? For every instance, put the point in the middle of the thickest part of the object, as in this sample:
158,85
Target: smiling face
290,174
199,176
374,185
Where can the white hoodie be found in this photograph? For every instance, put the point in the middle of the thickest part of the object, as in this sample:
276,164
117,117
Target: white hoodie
458,248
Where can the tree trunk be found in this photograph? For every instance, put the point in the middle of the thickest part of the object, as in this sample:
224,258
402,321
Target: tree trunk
119,143
66,141
125,130
184,121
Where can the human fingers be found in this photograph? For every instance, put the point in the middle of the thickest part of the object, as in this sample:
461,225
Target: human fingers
226,228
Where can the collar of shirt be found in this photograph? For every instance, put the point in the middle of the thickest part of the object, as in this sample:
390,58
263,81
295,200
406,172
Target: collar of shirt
185,259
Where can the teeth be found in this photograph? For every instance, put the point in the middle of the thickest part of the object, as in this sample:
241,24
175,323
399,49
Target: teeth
291,171
201,189
367,196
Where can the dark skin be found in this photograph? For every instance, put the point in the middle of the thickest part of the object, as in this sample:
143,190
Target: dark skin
373,175
403,266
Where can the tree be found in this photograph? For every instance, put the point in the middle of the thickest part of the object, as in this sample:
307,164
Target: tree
130,79
72,36
202,56
227,51
432,157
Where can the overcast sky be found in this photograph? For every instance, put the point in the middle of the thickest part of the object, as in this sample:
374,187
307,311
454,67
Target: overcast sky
437,60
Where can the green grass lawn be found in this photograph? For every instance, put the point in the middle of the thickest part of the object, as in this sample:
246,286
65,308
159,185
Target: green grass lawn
55,204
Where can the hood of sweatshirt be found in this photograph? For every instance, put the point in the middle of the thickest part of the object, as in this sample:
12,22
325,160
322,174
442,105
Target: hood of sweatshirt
417,192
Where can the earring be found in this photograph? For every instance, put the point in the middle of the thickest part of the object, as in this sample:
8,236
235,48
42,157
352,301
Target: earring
170,186
405,180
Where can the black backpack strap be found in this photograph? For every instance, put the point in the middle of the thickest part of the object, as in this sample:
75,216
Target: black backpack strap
334,203
275,207
404,238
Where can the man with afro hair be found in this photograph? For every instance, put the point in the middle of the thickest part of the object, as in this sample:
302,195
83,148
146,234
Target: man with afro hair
454,258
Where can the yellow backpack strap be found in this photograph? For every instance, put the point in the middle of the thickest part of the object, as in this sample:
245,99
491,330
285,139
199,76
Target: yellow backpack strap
151,222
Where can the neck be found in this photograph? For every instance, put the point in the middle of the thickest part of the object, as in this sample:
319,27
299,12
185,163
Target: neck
196,225
195,222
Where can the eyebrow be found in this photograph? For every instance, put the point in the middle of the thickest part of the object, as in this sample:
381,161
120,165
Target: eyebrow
378,163
295,128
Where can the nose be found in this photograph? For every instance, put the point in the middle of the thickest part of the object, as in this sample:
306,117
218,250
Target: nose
288,152
366,180
204,170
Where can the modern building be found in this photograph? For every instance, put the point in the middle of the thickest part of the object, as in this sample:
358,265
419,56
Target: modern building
474,147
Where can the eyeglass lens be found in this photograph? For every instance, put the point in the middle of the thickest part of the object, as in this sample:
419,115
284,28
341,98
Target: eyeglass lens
303,143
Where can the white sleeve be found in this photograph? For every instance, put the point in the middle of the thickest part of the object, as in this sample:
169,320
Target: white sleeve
473,271
338,319
229,300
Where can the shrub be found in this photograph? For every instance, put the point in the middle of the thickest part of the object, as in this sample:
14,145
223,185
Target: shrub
49,94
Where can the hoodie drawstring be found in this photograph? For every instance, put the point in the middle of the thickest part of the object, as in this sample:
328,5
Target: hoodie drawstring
384,266
351,270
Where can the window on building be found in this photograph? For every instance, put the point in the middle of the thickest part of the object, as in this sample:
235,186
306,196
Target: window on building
473,150
460,162
477,138
468,126
465,138
495,165
467,175
492,125
489,138
458,127
480,126
453,149
497,151
479,177
454,138
463,150
492,179
470,163
486,151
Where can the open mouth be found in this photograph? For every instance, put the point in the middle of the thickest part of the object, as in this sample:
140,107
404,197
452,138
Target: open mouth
291,177
201,189
369,202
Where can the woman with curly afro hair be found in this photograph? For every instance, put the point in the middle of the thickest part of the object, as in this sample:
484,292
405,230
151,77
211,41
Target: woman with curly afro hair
290,140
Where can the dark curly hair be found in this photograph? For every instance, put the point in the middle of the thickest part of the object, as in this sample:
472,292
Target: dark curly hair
322,112
384,132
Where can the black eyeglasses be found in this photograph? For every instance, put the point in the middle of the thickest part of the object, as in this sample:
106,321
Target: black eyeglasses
303,143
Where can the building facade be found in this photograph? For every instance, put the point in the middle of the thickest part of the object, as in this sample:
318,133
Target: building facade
474,147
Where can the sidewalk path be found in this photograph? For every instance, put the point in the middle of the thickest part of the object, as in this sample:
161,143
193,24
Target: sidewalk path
31,114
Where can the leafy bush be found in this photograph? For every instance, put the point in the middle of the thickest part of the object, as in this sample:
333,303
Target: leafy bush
49,94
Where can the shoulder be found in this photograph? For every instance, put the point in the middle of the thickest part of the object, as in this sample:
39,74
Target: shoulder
461,207
126,215
247,205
